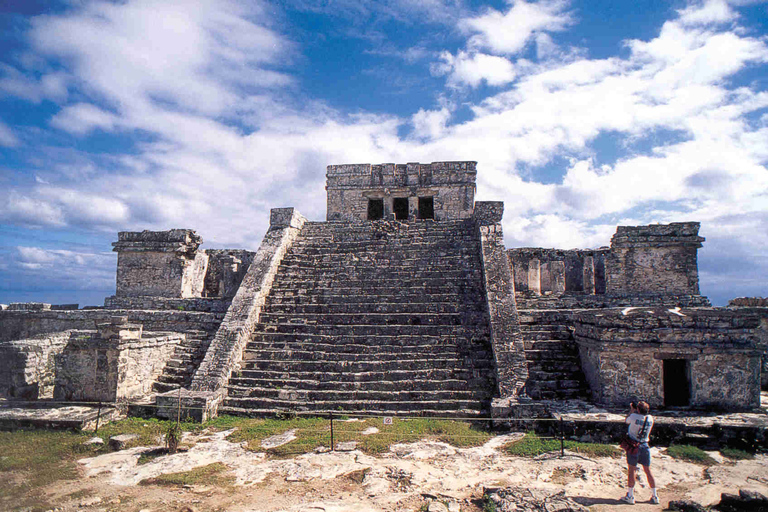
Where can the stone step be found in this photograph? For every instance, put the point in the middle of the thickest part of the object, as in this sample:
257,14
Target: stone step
554,385
483,384
375,330
373,406
361,365
305,395
338,319
437,374
547,335
569,348
392,297
565,394
544,365
541,375
381,283
312,354
253,412
549,355
372,307
354,273
297,263
476,339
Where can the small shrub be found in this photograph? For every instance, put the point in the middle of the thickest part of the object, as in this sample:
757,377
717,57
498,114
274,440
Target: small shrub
734,454
173,437
690,454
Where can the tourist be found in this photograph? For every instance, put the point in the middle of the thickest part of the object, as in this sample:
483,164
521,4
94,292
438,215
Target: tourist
640,425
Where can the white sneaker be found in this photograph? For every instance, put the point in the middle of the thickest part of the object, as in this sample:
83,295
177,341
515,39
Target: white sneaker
630,500
655,500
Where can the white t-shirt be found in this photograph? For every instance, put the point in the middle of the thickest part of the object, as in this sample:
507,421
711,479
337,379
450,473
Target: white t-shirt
636,422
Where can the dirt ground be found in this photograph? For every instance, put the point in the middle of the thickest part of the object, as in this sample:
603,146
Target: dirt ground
400,480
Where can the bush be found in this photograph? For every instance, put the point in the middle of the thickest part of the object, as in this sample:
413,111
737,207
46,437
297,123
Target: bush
734,454
173,437
690,454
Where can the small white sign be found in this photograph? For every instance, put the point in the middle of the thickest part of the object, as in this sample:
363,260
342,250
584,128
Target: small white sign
388,420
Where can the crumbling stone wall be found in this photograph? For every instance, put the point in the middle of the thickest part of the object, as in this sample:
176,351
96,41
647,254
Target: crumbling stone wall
622,354
450,184
555,271
226,269
160,263
654,259
27,366
118,361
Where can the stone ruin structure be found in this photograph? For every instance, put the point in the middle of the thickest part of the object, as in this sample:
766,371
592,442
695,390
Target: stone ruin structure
405,301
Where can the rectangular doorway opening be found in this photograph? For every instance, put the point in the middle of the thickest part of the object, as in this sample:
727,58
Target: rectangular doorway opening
426,208
400,208
375,209
677,388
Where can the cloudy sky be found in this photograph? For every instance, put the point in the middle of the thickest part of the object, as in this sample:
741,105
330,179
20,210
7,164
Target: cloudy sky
150,114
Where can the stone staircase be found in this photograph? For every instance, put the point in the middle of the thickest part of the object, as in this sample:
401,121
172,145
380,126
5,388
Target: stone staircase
187,357
381,317
554,367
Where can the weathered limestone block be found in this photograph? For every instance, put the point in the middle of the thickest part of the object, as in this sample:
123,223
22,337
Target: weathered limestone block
451,185
226,269
654,259
534,276
27,367
557,277
160,263
588,272
117,361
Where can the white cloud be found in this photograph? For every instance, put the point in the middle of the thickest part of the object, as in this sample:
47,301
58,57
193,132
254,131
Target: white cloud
7,137
71,269
474,68
508,33
430,124
82,118
709,11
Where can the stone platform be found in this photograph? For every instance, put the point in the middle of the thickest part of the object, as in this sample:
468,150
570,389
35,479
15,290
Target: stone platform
17,415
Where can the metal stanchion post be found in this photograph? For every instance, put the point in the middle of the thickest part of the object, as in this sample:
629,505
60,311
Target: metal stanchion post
98,418
562,438
333,448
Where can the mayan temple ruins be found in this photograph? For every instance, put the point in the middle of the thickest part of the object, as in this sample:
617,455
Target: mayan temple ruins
405,301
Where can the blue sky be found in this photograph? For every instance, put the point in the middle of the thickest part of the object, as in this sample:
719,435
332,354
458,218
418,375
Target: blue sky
204,114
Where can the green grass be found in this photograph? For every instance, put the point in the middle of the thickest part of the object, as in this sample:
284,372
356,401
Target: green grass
315,432
690,453
30,460
213,474
531,445
734,454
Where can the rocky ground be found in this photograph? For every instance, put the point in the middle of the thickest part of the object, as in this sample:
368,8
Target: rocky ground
425,475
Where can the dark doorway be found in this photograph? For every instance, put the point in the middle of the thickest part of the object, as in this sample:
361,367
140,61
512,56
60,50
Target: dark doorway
375,209
677,390
426,208
400,208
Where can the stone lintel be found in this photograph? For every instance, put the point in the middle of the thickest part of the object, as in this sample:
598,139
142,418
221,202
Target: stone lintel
182,241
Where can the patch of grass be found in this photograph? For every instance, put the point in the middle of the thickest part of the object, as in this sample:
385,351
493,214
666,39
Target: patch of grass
690,454
315,432
531,445
149,430
213,474
30,460
735,454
